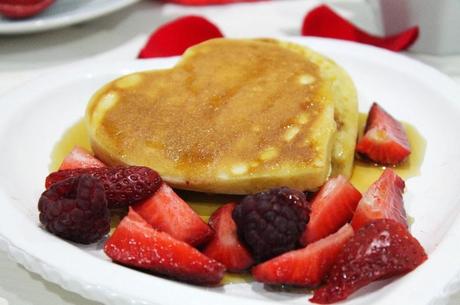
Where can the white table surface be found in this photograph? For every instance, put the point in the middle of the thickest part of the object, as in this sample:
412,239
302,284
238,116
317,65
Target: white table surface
120,36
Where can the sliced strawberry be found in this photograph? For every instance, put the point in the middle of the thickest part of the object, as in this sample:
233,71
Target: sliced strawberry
225,246
379,250
383,199
331,208
385,140
23,10
167,212
304,267
136,244
80,158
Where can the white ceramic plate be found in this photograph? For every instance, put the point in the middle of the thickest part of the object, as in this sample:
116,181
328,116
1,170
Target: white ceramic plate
62,13
35,116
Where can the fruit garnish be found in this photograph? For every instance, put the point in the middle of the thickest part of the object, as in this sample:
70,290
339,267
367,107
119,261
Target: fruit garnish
137,244
17,9
123,185
304,267
80,158
75,209
225,247
385,140
167,212
381,249
271,223
383,199
331,208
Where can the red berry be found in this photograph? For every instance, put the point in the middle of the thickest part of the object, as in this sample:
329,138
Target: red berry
381,249
136,244
167,212
23,8
75,209
123,185
383,199
304,267
80,158
225,246
385,140
331,208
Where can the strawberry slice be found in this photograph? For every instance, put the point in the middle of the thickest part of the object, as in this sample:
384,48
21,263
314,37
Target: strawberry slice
383,199
136,244
385,140
225,246
379,250
331,208
167,212
304,267
22,9
80,158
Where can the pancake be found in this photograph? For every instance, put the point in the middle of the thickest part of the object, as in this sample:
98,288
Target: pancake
233,116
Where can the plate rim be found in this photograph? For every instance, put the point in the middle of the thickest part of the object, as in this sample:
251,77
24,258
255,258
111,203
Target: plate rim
104,294
41,24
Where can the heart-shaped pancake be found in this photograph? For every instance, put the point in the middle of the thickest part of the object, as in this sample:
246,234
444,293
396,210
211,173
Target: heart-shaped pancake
233,116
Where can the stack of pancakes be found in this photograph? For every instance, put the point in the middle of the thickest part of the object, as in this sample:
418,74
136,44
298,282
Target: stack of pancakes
233,116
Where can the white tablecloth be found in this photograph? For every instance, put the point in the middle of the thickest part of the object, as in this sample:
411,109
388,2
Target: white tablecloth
120,37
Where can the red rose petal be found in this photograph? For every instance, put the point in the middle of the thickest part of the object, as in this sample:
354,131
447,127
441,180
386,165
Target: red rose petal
324,22
174,37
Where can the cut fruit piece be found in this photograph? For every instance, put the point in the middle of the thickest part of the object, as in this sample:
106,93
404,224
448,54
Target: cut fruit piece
167,212
225,246
136,244
381,249
304,267
331,208
385,140
383,199
23,10
80,158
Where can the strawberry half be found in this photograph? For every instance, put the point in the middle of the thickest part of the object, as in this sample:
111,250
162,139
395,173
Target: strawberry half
167,212
23,9
379,250
385,140
123,185
80,158
331,208
304,267
383,199
136,244
225,246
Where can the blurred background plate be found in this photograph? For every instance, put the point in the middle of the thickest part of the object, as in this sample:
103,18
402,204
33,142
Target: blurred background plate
63,13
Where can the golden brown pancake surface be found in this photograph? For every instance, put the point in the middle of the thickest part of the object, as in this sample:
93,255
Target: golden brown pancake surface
233,116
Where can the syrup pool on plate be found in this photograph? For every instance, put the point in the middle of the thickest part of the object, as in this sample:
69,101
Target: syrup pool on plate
364,174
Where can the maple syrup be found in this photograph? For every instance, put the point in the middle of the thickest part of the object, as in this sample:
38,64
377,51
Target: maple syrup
364,174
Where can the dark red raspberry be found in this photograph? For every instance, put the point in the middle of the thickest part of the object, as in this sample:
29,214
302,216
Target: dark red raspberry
76,209
123,185
270,223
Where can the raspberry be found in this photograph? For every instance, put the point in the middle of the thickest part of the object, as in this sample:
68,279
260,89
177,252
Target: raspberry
76,209
270,223
123,185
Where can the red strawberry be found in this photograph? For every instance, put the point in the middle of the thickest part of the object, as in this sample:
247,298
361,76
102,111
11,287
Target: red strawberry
135,243
80,158
383,199
379,250
123,185
167,212
304,267
23,9
331,208
225,246
384,140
